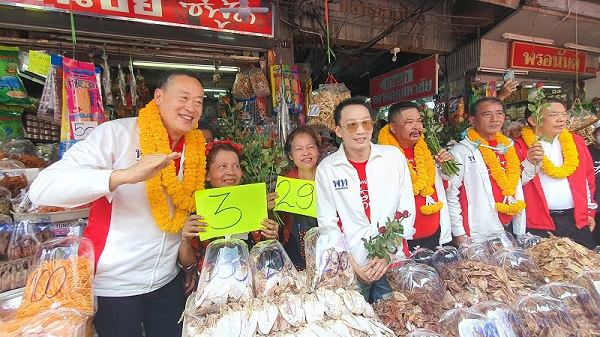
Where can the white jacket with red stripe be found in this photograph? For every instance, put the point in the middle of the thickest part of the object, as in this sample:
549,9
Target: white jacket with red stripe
134,256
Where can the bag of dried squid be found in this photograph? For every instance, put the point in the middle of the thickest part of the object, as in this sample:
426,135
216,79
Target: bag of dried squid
327,259
274,272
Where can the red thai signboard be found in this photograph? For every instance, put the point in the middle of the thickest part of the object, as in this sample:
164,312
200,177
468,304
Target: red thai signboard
536,57
416,80
201,14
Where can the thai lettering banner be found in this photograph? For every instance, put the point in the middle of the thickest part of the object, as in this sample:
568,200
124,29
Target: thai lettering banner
536,57
416,80
201,14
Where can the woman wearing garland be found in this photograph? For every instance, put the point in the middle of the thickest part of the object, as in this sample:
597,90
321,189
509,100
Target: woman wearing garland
140,173
558,177
405,131
223,170
302,147
486,198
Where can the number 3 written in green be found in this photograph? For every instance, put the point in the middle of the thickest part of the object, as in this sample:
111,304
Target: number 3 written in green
219,210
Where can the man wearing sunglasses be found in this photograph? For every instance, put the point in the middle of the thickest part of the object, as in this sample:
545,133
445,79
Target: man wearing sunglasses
360,186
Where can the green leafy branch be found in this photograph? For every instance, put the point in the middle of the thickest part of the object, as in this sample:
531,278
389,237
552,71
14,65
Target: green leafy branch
432,129
535,106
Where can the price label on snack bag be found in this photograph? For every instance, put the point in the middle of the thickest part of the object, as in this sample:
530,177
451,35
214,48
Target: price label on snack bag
81,130
232,210
314,110
296,196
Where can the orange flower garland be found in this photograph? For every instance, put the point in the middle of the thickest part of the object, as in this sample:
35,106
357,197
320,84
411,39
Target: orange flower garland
155,140
506,180
569,152
423,183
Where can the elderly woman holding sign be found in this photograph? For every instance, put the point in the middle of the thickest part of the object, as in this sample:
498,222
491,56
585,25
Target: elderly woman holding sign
222,170
302,147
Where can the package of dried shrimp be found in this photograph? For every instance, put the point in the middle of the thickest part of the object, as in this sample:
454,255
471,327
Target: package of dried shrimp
545,316
226,276
273,271
417,281
422,255
590,280
474,251
327,259
469,322
444,255
502,315
327,97
519,261
576,298
62,275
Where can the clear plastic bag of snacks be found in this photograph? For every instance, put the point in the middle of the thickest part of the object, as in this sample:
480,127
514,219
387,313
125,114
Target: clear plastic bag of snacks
417,281
422,255
576,298
528,240
226,276
12,175
468,322
62,275
23,241
60,322
505,240
327,97
444,255
424,333
242,86
6,228
590,280
545,316
259,82
327,259
517,260
474,251
273,270
501,314
24,151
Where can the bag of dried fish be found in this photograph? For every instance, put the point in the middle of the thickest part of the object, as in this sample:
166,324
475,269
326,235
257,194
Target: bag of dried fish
576,298
561,259
502,315
424,333
469,322
274,273
259,83
518,261
416,281
327,97
545,316
422,255
590,280
226,276
528,240
327,259
474,251
444,255
242,86
503,241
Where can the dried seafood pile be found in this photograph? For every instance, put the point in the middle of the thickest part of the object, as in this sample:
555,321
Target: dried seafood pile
561,259
398,311
470,280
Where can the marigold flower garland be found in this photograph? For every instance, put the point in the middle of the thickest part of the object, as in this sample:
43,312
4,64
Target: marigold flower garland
569,152
506,180
155,140
423,183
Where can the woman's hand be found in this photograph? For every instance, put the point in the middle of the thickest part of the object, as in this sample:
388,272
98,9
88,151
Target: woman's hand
270,229
271,200
192,226
189,281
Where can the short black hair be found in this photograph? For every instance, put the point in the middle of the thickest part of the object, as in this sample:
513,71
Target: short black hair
166,77
396,108
528,112
480,101
356,100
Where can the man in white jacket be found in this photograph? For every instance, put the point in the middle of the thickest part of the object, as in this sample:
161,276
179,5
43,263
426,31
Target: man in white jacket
405,131
486,198
137,280
360,186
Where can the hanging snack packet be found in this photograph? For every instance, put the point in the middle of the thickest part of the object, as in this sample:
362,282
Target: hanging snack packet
11,123
12,90
83,104
259,82
56,64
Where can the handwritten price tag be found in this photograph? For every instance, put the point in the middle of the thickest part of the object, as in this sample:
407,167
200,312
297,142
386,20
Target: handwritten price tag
232,210
296,196
82,129
39,63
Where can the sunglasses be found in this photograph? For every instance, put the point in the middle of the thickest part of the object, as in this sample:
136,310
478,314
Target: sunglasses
366,124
